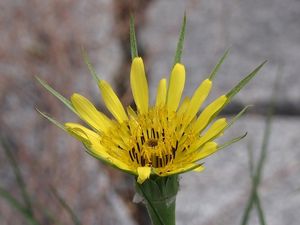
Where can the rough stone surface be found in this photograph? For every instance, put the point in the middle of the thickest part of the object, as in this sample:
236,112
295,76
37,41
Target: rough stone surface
45,38
219,194
254,30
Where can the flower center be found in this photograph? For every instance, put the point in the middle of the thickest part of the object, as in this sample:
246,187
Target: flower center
152,143
153,139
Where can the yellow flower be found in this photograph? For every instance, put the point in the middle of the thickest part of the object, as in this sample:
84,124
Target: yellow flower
161,139
164,138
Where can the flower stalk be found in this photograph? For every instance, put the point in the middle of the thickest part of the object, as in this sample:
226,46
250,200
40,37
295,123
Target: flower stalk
159,197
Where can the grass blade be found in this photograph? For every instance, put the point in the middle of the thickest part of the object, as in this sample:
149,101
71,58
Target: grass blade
20,181
73,216
260,212
18,206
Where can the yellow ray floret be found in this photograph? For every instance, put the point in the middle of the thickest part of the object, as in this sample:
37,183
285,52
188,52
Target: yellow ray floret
139,85
197,100
161,93
112,101
176,86
89,113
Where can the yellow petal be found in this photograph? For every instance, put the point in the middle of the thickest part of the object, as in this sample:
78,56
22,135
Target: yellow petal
89,113
161,93
199,169
112,101
184,106
184,168
139,85
216,128
92,142
211,134
143,174
176,86
208,149
80,132
208,112
197,100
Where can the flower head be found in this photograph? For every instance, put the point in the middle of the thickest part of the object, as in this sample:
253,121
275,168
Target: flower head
164,138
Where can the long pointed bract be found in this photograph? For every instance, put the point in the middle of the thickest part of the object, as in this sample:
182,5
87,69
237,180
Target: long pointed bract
133,43
217,67
177,58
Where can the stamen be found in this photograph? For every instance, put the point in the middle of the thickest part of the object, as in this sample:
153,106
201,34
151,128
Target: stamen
131,156
142,139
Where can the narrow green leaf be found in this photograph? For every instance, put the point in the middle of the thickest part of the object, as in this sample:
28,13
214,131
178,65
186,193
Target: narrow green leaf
87,61
55,122
237,116
56,94
177,58
243,82
234,140
133,43
20,181
217,67
64,204
261,216
251,159
233,120
18,206
237,88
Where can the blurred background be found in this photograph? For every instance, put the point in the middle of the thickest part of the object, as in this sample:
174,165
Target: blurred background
45,38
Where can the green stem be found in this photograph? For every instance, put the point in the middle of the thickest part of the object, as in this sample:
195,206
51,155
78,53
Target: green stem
164,213
159,196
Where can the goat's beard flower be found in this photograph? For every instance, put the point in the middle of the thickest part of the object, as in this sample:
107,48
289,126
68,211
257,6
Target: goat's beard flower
162,139
158,141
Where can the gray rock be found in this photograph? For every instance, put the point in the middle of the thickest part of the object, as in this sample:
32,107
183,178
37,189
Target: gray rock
254,30
219,194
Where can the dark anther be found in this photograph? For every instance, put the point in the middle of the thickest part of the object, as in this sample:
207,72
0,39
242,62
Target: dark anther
131,156
143,161
160,162
138,147
137,158
153,133
176,145
173,152
167,159
143,139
